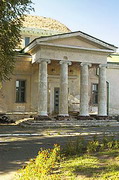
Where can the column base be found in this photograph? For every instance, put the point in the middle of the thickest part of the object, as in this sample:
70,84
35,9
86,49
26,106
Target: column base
92,117
63,117
84,117
100,117
42,118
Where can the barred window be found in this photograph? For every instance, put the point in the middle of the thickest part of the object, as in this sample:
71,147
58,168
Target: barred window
20,91
95,93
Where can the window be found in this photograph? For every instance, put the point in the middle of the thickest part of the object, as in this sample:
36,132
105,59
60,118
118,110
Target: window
20,91
95,94
27,40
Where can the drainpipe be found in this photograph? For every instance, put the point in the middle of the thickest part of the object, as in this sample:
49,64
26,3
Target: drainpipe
108,88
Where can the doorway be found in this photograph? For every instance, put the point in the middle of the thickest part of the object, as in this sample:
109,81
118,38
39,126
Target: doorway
56,100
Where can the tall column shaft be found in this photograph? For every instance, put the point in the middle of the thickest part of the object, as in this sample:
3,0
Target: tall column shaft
84,98
63,99
42,103
102,92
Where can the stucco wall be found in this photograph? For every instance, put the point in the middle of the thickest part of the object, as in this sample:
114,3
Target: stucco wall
112,78
76,42
74,55
22,72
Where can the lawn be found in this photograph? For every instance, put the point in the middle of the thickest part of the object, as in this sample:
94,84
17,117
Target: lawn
98,166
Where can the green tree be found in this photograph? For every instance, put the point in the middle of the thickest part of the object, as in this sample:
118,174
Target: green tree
11,19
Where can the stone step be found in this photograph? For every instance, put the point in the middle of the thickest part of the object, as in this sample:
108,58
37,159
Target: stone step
68,123
71,123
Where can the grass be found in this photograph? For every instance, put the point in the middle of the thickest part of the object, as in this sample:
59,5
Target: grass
79,160
98,166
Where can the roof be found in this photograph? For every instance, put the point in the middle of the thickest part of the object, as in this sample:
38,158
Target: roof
73,34
78,32
39,22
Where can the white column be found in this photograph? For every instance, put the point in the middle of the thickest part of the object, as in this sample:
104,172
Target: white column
84,98
102,92
42,103
63,99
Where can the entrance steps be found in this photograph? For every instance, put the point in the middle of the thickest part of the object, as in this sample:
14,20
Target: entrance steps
72,122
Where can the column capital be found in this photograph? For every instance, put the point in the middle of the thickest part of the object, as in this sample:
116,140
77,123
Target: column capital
102,65
86,63
48,61
65,62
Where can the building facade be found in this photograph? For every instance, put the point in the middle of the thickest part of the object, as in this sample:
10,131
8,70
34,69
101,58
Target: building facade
59,72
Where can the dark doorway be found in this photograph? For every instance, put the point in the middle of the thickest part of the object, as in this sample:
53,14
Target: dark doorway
56,100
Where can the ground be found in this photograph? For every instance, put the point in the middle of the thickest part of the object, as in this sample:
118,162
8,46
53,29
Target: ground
19,144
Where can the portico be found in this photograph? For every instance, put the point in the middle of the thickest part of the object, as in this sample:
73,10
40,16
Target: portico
63,99
67,49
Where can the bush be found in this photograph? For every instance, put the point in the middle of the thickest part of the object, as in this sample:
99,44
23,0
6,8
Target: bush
93,146
42,166
79,146
109,143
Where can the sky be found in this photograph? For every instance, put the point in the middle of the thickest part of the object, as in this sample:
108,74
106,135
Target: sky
99,18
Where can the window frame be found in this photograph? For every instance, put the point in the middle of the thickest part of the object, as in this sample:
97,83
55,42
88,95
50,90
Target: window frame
16,100
25,43
94,93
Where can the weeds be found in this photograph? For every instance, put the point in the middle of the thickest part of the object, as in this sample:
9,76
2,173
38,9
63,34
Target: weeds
78,157
80,146
42,166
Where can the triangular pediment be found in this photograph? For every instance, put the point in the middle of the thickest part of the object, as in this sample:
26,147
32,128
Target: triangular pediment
77,39
73,40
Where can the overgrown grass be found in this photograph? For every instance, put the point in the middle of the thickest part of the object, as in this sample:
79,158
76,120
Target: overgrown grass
95,166
42,167
79,160
79,145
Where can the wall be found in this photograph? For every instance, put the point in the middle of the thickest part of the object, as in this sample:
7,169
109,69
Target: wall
76,41
22,72
75,55
112,78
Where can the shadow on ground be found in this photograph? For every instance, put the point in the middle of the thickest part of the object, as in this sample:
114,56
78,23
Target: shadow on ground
15,151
